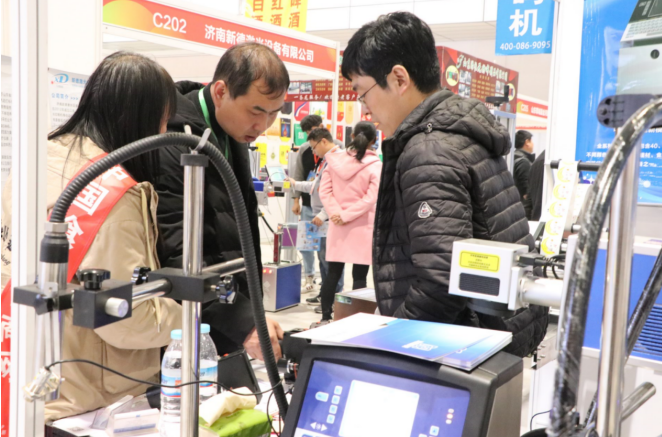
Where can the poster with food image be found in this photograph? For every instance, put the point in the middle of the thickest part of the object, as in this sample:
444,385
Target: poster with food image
469,76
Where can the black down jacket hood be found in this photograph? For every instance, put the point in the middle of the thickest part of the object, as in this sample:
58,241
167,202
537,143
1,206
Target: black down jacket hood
444,179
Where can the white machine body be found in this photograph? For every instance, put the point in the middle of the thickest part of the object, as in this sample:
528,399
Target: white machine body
640,54
487,270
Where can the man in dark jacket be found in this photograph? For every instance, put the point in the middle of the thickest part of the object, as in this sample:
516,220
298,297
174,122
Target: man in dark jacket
444,179
534,195
522,168
240,103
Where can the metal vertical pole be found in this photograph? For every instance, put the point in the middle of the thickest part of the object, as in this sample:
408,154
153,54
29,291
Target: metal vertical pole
290,253
616,300
29,44
194,184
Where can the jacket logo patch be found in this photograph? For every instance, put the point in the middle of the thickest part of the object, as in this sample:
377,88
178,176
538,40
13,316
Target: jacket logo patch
424,211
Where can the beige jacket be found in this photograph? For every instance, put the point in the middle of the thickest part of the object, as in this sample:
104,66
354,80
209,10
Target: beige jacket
125,240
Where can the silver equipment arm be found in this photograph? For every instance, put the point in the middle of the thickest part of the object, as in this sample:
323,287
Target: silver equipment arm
194,201
227,268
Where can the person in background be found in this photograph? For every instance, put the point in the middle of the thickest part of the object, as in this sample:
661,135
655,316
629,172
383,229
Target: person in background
240,102
533,201
304,170
522,168
444,179
349,194
106,120
321,144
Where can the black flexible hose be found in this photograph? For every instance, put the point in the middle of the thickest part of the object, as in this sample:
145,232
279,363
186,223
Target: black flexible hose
114,158
593,215
637,321
252,274
245,236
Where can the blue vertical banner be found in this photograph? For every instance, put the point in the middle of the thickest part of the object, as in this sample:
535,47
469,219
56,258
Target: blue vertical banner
524,27
620,56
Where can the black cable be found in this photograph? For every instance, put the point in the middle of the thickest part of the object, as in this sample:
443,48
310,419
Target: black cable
265,221
140,381
534,416
554,271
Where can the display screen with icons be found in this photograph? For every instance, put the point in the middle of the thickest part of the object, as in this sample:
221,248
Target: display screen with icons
343,401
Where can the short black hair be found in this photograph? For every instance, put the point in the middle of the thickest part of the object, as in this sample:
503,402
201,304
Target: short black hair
310,121
247,62
520,138
320,133
400,38
127,98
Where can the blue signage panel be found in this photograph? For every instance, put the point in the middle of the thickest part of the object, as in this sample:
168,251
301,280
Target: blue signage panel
618,57
524,27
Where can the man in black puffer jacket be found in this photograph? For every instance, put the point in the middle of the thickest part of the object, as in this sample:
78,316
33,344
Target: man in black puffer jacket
444,179
241,101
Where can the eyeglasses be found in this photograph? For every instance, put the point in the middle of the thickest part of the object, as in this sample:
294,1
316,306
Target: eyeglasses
361,98
312,147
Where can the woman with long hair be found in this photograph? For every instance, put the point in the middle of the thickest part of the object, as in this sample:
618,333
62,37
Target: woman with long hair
349,194
127,98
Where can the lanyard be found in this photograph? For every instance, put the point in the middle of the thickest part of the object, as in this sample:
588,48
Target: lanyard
205,112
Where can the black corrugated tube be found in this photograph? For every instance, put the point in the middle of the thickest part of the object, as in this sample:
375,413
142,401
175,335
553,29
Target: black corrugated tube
593,215
245,236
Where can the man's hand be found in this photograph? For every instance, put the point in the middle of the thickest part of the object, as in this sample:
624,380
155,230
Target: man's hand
252,343
296,206
337,220
317,221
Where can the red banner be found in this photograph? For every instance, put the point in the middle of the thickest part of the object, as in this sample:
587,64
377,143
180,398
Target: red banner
320,91
85,216
468,76
532,108
151,17
463,74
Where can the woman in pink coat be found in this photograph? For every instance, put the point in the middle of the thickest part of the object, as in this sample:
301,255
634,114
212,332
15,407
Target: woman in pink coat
349,194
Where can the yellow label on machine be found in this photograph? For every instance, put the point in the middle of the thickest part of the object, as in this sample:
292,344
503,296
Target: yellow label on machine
479,261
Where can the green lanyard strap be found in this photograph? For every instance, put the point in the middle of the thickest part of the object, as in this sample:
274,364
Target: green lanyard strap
205,112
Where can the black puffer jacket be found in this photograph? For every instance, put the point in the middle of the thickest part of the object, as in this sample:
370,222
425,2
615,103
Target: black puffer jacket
230,324
521,172
444,179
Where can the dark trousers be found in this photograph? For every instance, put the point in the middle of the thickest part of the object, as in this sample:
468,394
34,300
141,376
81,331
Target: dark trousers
328,290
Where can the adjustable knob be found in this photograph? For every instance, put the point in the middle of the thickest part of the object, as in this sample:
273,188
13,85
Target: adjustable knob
140,275
92,278
225,290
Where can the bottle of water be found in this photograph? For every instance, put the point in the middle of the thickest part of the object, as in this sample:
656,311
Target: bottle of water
171,374
208,364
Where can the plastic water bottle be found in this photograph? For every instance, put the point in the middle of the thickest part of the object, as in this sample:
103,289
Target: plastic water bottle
171,374
208,364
